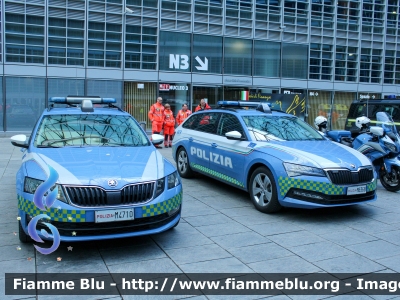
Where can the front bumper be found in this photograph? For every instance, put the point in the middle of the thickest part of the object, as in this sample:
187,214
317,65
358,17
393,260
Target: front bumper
74,224
305,193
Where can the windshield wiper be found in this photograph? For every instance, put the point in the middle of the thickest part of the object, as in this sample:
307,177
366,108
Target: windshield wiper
122,144
51,142
47,146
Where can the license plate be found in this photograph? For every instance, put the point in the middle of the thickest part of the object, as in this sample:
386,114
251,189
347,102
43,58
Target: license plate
354,190
114,215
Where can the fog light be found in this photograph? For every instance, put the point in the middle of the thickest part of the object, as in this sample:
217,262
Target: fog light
307,195
173,211
43,220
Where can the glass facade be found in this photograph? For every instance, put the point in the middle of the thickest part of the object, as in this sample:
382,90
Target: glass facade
66,42
175,94
25,101
215,49
211,94
210,46
340,108
2,106
237,56
139,97
267,59
105,88
319,104
65,87
174,53
294,61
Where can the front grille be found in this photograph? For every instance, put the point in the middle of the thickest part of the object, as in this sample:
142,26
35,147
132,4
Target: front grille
97,197
351,177
87,196
138,193
93,229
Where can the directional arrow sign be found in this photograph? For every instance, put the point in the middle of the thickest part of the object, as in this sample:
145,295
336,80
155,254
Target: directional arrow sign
203,65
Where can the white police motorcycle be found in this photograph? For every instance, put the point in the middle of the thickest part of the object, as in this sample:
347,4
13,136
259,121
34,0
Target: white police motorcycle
381,144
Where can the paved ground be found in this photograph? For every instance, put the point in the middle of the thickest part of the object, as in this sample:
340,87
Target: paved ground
220,231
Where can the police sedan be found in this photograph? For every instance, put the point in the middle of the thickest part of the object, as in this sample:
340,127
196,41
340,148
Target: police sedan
91,173
278,158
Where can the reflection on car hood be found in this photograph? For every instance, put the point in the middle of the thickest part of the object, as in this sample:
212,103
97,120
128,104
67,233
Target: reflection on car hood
97,165
320,154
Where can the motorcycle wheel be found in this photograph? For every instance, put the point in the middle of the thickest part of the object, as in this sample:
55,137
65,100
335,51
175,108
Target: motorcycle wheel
391,181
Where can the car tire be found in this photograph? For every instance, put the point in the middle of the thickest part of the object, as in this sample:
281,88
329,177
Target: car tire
23,237
263,192
183,164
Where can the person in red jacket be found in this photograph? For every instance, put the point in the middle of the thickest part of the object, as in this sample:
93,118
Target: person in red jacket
156,116
169,126
183,114
203,105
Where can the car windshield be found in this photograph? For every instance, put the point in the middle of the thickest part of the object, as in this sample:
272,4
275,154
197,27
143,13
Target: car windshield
89,130
281,128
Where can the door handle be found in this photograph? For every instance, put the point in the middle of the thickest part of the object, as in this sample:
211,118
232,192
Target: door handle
214,145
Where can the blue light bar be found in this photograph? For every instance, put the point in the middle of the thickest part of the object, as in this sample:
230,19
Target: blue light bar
239,103
261,106
109,100
58,99
79,99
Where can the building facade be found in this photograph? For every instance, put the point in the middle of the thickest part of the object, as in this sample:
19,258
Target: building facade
329,52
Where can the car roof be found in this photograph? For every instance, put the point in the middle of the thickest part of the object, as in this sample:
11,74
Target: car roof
78,111
246,112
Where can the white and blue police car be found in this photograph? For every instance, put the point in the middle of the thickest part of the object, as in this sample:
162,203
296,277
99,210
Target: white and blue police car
278,158
92,170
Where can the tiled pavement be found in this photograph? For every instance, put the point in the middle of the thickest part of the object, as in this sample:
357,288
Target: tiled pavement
220,231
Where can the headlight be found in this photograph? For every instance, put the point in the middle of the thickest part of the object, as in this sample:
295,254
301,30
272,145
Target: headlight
390,146
173,180
31,185
160,186
296,170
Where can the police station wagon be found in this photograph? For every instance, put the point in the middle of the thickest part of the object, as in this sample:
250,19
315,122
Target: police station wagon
106,178
278,158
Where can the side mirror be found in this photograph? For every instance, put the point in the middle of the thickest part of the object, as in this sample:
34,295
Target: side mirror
378,131
157,139
20,140
233,135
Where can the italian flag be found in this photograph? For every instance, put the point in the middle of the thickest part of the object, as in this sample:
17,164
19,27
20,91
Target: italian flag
245,95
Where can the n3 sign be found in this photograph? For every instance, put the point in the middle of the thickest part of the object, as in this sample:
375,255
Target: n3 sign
177,61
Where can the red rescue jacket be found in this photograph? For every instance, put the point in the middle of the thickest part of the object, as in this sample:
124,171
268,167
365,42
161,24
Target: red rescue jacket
156,112
182,115
205,107
169,118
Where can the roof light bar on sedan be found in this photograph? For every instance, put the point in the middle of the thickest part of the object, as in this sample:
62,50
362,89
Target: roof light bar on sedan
79,99
260,106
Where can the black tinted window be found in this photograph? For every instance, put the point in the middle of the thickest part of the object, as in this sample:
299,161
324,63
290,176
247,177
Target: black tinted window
358,110
361,110
191,122
228,123
205,122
